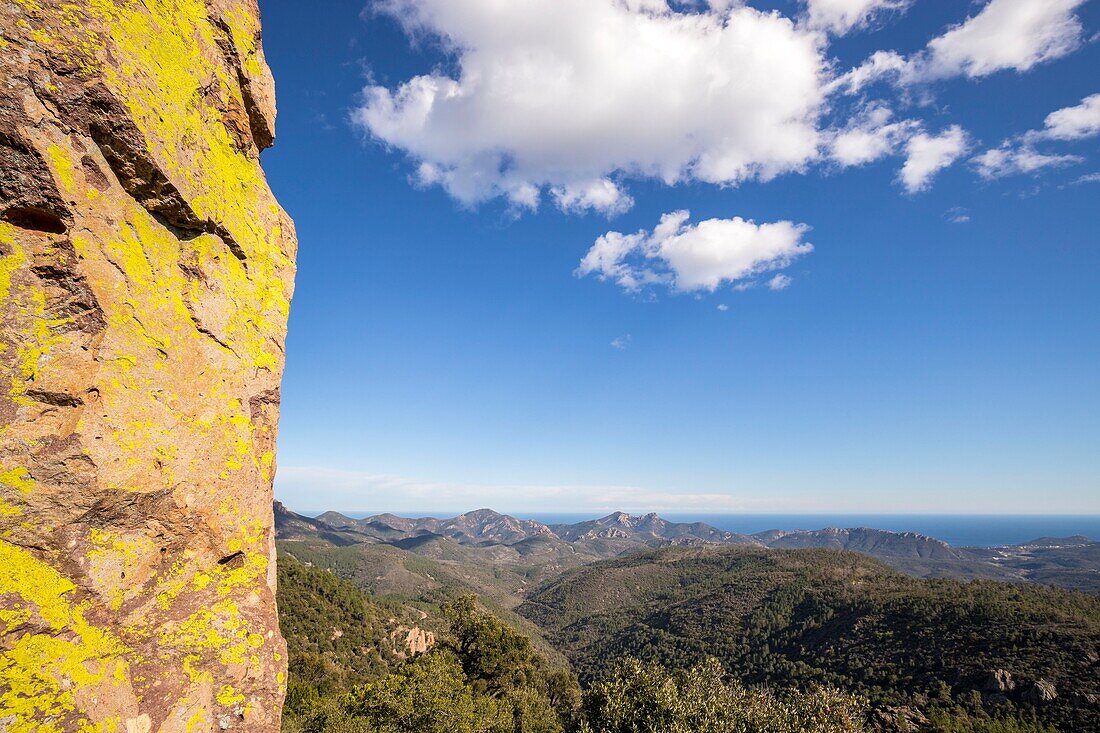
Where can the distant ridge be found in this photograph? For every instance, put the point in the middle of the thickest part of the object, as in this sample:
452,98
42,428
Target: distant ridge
487,526
877,542
1071,562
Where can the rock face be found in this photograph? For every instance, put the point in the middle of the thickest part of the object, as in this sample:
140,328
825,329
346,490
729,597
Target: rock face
999,681
1039,692
145,278
410,642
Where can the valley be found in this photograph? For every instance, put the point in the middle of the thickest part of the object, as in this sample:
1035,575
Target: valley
917,627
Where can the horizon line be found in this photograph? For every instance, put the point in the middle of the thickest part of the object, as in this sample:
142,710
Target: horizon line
601,513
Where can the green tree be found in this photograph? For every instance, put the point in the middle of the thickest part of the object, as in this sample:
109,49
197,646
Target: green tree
501,663
645,698
495,657
428,695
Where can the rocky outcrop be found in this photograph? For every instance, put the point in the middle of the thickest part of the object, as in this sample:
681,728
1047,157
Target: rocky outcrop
410,642
145,278
1039,693
998,682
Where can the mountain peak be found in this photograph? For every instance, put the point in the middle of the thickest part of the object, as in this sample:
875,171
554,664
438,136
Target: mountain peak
483,513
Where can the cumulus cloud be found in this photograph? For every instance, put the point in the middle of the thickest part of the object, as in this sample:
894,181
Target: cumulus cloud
1008,160
926,155
1018,155
880,65
869,136
779,282
694,257
1004,35
601,195
560,95
841,16
567,101
1007,34
1073,123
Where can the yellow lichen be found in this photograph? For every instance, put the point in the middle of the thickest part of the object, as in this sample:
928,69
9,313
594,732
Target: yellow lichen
39,671
62,165
198,721
10,263
228,696
18,479
34,341
18,483
111,557
179,356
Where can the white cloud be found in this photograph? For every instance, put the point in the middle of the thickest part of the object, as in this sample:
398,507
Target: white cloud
621,342
560,95
927,155
601,195
723,307
779,282
1004,35
570,99
841,16
870,136
1009,160
691,257
957,215
309,489
1073,123
1018,155
880,65
1088,178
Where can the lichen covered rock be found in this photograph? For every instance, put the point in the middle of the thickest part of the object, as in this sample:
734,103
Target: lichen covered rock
145,279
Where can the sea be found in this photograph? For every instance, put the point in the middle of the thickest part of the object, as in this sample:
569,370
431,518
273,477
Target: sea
959,530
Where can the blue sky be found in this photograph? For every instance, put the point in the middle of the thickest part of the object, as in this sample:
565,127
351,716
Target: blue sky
931,343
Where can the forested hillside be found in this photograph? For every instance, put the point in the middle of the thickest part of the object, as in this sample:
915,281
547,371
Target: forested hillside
480,675
799,618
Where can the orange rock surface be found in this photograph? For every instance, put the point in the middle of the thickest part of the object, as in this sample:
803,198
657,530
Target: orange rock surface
146,273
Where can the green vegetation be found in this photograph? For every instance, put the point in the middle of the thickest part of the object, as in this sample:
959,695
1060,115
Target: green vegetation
483,676
806,618
407,579
645,698
486,677
687,640
336,637
960,721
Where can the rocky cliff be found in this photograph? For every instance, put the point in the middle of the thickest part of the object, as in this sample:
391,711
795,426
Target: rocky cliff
145,278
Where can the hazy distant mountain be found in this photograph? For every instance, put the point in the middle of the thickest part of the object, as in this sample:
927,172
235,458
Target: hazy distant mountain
876,542
646,529
1069,562
604,537
535,551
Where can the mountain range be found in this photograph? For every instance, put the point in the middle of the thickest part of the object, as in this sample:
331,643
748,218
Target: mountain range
535,551
782,608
